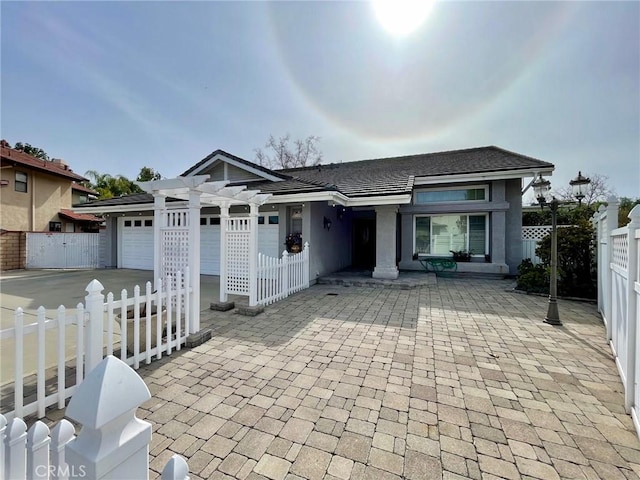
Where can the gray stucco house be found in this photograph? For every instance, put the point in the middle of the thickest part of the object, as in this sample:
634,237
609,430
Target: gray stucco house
383,214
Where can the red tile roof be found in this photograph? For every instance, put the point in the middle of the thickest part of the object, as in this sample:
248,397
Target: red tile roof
78,217
11,156
82,188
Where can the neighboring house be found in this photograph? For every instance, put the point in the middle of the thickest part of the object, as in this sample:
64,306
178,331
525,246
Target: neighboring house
383,214
37,195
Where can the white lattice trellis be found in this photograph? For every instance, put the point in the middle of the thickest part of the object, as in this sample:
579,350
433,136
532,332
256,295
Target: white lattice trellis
238,231
537,232
620,249
174,246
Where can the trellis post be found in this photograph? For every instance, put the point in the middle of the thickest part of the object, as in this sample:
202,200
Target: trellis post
253,255
224,218
194,259
159,206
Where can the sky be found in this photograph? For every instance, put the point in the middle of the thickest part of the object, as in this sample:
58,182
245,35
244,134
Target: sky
114,86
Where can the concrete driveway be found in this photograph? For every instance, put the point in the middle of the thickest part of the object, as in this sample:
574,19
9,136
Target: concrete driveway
30,289
456,380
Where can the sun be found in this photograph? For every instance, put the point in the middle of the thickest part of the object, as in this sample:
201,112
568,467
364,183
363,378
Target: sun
401,17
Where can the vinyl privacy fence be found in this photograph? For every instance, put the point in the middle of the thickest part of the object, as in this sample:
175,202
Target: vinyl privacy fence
619,296
112,444
63,250
141,327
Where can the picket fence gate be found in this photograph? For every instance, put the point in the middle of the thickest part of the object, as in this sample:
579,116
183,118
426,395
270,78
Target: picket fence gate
145,336
113,444
280,277
619,296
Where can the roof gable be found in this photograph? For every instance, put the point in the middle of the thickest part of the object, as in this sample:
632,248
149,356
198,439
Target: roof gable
236,169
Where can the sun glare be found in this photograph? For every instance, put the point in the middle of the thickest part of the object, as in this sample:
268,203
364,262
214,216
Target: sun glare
401,17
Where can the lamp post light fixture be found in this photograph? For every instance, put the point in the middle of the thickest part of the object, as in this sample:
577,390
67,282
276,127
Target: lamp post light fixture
541,188
579,187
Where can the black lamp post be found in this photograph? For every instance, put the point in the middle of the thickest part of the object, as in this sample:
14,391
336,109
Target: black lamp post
541,188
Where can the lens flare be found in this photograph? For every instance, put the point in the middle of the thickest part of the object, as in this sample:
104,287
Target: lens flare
400,18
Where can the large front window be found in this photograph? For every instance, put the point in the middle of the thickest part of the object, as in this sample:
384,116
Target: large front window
441,234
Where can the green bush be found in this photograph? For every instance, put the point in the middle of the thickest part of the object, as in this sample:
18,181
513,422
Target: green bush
532,278
576,263
576,259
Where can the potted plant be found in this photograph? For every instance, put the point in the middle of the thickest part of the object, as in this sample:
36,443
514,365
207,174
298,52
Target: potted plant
293,242
461,255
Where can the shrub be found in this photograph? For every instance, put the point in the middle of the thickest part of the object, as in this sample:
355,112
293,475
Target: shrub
532,278
576,260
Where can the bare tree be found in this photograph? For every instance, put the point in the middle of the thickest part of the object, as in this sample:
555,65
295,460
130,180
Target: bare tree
281,154
597,191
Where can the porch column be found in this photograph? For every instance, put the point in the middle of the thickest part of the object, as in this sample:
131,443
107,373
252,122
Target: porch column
158,219
386,267
224,216
253,255
194,259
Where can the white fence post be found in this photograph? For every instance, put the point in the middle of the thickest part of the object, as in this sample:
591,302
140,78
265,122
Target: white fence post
612,224
16,443
305,263
61,434
632,306
95,307
113,443
285,274
3,427
38,451
176,469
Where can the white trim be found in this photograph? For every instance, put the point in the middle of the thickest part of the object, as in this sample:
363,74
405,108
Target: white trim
235,163
325,196
481,176
379,200
484,186
476,214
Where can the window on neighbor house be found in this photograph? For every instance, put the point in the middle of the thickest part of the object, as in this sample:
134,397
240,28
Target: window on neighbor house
440,234
21,182
475,194
55,226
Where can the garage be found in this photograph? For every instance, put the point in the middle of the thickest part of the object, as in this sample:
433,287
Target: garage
135,242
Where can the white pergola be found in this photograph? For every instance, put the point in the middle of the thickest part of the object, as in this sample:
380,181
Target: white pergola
176,238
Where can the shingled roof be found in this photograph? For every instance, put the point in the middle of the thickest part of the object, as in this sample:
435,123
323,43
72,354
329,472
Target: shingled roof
11,156
395,175
381,176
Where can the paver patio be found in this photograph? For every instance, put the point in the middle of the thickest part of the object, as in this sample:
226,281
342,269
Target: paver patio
461,379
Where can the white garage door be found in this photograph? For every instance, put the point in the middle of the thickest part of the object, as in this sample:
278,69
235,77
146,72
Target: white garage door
136,244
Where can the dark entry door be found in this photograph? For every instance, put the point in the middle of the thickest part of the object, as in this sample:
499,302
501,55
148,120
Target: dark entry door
364,243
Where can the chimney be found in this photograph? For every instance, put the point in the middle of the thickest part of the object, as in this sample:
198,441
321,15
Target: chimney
60,163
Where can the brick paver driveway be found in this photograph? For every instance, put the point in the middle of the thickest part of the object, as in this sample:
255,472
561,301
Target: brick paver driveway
458,380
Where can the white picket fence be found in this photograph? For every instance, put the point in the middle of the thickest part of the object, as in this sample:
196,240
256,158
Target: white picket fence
141,338
619,296
280,277
112,444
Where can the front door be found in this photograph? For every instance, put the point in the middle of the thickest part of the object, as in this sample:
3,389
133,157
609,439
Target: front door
364,243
